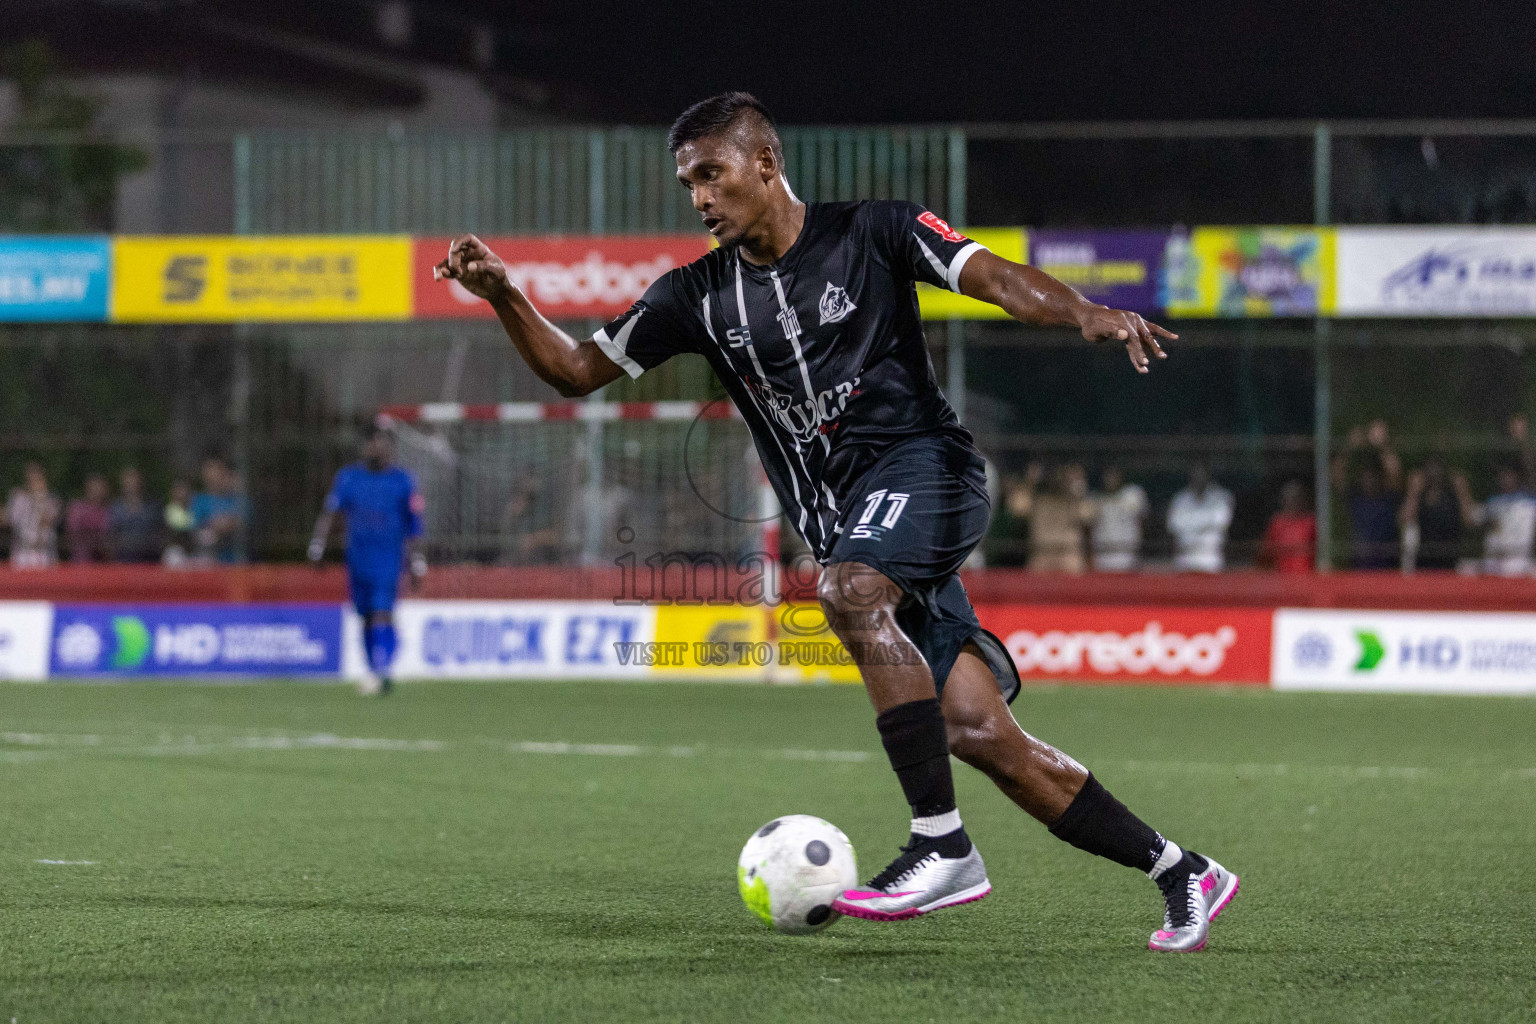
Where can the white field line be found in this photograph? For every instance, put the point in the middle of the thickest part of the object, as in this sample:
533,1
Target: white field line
67,863
43,746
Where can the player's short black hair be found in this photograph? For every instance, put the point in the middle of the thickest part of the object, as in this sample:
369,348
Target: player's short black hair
716,114
378,429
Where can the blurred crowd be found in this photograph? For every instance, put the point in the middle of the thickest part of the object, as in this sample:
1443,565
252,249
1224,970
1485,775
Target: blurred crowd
1425,518
202,527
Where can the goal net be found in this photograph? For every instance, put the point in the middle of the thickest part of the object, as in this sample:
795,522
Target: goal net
582,483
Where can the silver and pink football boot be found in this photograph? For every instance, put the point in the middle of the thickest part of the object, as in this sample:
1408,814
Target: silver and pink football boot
918,882
1192,901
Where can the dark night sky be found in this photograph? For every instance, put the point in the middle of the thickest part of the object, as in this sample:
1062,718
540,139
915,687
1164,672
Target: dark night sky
965,61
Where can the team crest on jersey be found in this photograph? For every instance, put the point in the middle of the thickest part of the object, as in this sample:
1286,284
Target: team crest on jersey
835,304
936,223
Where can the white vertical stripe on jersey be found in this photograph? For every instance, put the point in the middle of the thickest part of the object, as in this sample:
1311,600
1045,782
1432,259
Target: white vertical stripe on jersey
773,427
791,323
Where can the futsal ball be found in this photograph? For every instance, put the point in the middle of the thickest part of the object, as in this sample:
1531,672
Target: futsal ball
792,869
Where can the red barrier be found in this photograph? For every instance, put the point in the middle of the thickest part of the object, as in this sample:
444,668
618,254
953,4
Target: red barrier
1250,589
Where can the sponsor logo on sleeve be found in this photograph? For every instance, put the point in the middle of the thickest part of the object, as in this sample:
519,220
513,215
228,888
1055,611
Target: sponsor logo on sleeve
935,223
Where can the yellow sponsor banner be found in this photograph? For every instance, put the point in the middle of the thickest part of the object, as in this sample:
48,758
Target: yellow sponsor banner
225,278
941,303
808,650
1251,272
728,640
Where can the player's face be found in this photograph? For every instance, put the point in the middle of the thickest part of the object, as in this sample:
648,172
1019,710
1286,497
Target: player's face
728,185
376,450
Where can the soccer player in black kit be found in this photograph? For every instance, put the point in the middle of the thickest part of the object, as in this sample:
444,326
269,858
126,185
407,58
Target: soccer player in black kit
808,314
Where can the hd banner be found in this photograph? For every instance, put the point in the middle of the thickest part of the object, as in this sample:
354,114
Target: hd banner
222,279
1250,272
1404,652
1451,271
54,278
566,278
195,640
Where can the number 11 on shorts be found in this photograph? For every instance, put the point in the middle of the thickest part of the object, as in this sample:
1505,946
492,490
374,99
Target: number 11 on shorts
894,501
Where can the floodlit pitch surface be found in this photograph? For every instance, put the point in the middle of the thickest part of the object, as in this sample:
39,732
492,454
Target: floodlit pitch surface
566,852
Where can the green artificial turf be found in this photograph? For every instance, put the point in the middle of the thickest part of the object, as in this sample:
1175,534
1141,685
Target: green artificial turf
566,851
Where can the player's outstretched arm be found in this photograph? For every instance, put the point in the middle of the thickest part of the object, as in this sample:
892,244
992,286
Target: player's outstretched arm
571,367
1034,297
320,536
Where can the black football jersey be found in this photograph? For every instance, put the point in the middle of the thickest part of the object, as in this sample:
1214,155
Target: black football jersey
823,352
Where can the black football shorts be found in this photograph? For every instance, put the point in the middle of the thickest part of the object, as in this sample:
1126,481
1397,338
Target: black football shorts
915,517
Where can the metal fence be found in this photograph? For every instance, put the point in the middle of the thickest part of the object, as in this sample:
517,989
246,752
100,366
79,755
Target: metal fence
1262,401
607,181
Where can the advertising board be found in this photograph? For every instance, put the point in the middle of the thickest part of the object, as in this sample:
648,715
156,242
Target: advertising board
1399,652
195,640
1121,269
1250,272
516,640
219,278
1437,271
566,278
25,629
54,278
1134,644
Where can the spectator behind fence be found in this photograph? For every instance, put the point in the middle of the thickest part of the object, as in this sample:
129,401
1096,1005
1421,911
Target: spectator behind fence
1057,514
178,525
88,522
1199,518
528,522
32,512
1118,512
1290,542
1373,521
218,515
1435,509
137,525
1508,519
1369,475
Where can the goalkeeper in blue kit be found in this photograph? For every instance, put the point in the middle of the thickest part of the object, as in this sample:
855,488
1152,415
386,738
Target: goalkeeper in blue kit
383,510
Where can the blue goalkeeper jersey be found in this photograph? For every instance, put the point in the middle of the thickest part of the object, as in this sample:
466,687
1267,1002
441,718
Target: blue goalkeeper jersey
383,511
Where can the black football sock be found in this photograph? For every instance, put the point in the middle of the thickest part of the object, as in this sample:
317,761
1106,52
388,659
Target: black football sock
1100,824
915,741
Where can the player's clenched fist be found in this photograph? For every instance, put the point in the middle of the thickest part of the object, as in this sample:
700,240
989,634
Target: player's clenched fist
474,266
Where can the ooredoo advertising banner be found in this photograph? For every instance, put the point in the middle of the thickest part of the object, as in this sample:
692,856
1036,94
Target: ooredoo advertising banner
57,278
25,627
193,278
195,640
1122,269
1134,644
1250,271
1402,652
1437,271
566,278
